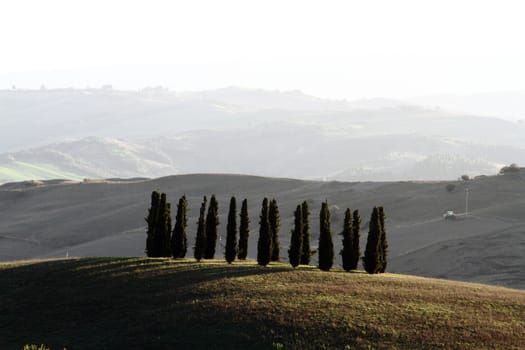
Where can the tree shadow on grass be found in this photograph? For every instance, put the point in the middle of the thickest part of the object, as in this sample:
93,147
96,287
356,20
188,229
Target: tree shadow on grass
132,303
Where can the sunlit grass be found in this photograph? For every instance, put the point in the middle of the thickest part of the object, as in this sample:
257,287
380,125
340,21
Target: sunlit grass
20,171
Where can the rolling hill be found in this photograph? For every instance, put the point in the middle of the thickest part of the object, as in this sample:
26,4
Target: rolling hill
100,133
91,157
106,218
139,303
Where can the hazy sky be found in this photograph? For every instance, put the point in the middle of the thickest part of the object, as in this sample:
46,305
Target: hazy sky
338,49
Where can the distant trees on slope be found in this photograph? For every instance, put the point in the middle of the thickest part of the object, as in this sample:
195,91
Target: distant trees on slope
162,242
509,169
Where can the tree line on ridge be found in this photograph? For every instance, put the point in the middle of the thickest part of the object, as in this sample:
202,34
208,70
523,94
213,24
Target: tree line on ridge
164,241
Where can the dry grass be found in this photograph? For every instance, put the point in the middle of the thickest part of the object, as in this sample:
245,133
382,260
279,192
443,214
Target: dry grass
139,303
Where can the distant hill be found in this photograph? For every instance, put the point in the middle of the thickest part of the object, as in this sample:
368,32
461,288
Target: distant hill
505,104
138,303
304,152
259,99
101,133
106,218
92,157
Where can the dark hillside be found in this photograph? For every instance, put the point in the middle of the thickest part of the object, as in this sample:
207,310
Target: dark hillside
139,303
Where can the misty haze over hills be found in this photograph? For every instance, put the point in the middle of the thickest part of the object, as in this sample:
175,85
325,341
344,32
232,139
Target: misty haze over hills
104,133
507,105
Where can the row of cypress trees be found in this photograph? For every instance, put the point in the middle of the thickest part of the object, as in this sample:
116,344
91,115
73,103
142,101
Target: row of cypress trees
299,253
268,245
375,257
162,243
206,237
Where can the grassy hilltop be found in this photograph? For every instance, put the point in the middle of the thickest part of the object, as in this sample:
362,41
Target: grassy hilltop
141,303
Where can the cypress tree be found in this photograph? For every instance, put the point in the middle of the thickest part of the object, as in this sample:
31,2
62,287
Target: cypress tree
372,258
244,231
212,221
305,253
383,244
161,240
179,241
167,236
326,245
348,242
275,223
295,251
159,227
200,238
151,220
231,232
356,227
264,244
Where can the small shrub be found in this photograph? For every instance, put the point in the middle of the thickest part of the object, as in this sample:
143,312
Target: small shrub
450,188
513,168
